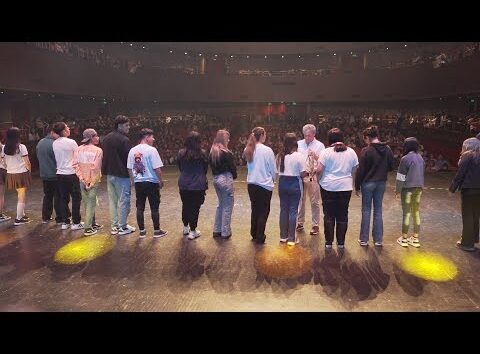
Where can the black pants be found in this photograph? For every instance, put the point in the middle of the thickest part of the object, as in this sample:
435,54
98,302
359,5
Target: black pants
335,211
144,190
470,216
260,200
51,200
191,202
69,186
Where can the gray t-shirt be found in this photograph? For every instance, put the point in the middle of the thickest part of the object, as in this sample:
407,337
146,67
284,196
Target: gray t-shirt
410,173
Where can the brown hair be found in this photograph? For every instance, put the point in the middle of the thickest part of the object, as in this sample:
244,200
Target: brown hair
254,137
289,145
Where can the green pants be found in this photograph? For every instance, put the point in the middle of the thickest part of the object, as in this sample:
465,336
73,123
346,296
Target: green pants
89,200
411,207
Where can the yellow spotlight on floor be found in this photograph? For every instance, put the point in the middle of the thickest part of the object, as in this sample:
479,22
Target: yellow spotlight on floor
429,266
85,249
283,262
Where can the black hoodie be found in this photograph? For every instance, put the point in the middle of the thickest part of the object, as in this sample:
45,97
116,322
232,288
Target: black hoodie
376,160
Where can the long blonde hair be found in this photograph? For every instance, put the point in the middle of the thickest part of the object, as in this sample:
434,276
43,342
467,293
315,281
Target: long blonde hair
219,145
254,137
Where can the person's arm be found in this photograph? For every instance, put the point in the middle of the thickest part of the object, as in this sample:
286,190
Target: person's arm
126,148
130,167
389,159
319,171
76,166
231,165
461,173
205,162
132,179
401,176
360,171
158,171
179,161
96,168
272,164
354,172
26,160
28,165
157,164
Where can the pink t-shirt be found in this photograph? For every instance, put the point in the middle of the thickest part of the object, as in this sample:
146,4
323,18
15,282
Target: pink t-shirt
87,162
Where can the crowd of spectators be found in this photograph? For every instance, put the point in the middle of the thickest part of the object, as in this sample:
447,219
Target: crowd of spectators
171,127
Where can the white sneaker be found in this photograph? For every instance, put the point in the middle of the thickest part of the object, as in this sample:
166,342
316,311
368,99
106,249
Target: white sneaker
4,217
78,226
127,230
283,240
65,226
402,241
114,230
194,234
186,230
413,241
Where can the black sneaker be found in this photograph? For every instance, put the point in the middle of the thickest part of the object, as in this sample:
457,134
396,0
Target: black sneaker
97,226
217,234
465,248
143,233
24,220
90,231
159,233
46,221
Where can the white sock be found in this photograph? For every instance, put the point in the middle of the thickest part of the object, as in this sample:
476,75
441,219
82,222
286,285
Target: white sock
20,210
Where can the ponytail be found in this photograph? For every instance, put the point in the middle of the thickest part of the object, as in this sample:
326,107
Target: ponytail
252,143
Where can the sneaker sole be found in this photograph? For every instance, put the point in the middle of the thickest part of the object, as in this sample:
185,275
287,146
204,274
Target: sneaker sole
21,223
162,235
142,236
416,245
126,233
3,220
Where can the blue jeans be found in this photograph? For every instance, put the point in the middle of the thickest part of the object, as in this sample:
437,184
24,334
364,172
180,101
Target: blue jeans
290,192
119,198
89,198
372,191
223,184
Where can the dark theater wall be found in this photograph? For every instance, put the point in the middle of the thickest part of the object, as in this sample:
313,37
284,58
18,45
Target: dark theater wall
26,68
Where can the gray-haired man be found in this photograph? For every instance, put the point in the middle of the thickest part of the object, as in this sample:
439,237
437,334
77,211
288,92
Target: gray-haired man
311,149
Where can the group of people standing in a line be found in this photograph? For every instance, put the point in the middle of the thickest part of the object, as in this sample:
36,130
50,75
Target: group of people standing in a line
305,168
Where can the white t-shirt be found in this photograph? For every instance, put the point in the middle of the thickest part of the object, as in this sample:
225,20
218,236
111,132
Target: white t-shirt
15,163
294,165
143,159
64,149
315,146
337,175
262,170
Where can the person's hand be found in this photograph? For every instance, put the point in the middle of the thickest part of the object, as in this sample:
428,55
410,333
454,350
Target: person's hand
357,193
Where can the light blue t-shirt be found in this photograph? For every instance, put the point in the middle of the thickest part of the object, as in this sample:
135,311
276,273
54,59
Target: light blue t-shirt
143,159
